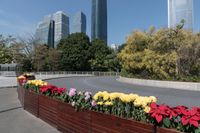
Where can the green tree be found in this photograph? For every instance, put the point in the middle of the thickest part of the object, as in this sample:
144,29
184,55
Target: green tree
54,57
163,54
40,60
5,55
75,52
99,52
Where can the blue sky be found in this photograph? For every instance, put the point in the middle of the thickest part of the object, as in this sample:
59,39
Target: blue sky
19,17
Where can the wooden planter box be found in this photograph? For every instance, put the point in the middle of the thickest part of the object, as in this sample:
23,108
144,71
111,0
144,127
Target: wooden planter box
165,130
111,124
20,92
70,121
31,102
64,117
48,110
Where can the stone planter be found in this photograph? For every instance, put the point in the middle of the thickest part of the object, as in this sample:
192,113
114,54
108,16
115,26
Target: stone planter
31,102
48,110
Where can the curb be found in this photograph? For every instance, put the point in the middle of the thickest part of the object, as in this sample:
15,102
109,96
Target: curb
189,86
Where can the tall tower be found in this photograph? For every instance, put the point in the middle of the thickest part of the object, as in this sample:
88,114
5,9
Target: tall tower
79,22
179,10
99,20
45,31
61,26
52,28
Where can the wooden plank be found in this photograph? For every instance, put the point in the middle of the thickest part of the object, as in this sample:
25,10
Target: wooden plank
31,102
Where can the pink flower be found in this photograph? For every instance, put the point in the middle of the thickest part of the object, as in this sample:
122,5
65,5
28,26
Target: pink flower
72,92
94,103
87,95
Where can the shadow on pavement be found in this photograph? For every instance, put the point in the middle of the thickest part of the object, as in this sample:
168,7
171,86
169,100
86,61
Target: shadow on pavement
11,109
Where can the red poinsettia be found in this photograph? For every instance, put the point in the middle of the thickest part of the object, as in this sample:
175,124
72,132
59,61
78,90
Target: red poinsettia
159,112
191,117
46,88
52,90
60,91
180,109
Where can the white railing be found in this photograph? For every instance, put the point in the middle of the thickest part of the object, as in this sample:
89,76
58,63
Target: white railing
8,73
78,73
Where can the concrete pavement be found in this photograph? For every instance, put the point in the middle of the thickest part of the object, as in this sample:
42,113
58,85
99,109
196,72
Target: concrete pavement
165,95
13,119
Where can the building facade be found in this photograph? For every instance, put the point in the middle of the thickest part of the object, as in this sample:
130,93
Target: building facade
45,31
114,47
99,20
180,10
61,26
79,22
52,28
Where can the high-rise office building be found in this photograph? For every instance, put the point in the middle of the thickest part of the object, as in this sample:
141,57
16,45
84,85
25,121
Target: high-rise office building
79,22
180,10
52,29
45,31
99,20
61,26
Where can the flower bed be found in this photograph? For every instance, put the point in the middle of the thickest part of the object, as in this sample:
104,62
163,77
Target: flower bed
72,111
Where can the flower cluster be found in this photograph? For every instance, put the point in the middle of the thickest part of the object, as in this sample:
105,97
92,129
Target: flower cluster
79,100
37,82
124,105
180,117
21,79
51,90
105,98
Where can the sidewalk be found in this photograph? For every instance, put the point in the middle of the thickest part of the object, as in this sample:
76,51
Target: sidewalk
13,119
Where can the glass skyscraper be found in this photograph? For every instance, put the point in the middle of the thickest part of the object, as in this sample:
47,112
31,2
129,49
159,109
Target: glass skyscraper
61,26
45,32
79,22
179,10
99,20
52,29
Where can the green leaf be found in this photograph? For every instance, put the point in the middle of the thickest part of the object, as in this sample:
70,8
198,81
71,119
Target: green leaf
197,130
166,122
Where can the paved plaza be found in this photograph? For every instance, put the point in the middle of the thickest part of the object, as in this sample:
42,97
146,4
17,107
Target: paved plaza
165,95
13,119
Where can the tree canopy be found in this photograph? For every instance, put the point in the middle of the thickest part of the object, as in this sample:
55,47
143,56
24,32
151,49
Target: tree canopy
163,54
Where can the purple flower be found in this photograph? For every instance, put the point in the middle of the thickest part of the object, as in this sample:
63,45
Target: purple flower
94,103
72,92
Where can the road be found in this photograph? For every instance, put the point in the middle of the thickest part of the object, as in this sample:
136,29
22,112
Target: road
168,96
13,119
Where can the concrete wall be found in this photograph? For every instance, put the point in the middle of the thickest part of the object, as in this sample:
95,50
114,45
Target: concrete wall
162,84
